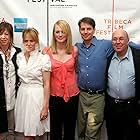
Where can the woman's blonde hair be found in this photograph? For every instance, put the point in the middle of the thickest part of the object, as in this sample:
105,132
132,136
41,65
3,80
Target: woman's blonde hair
67,30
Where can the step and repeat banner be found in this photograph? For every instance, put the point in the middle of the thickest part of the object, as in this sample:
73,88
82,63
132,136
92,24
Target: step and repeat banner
25,13
109,15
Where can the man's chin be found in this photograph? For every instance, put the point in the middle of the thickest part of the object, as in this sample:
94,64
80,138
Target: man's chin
86,39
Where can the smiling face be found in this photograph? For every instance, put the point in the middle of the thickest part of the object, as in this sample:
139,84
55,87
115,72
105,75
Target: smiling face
59,34
62,36
120,41
86,31
5,39
6,35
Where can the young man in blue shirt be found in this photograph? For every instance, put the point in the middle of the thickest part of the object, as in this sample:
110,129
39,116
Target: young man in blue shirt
91,68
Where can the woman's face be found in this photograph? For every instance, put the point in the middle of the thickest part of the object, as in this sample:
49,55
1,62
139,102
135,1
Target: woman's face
59,34
29,43
5,39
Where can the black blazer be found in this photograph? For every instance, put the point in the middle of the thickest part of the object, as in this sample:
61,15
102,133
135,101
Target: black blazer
136,60
3,110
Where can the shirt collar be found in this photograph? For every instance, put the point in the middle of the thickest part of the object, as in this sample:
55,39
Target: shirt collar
12,50
93,41
127,55
33,53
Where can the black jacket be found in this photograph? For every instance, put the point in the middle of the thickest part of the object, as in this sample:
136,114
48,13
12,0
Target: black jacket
3,110
136,59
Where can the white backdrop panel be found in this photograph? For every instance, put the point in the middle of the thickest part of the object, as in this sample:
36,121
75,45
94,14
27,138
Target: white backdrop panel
109,15
34,10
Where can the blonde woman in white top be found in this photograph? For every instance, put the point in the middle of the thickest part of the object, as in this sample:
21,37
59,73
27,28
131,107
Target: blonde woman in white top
31,110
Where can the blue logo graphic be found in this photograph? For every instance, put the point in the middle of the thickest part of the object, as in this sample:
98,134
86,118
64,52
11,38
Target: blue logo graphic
20,24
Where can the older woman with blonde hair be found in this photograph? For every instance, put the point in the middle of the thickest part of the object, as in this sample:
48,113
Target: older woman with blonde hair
64,89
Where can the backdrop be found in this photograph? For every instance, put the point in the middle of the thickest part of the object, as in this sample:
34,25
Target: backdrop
109,15
25,13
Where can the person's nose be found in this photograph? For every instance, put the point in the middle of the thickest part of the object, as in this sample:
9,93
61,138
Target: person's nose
117,41
28,43
85,31
60,33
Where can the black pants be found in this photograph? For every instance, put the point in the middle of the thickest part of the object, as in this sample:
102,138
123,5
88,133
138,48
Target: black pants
121,120
63,116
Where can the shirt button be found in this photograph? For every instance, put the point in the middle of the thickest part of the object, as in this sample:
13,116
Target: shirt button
87,50
87,58
87,66
87,74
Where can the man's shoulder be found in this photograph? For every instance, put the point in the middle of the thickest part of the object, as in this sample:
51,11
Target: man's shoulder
79,44
134,45
103,42
95,41
107,41
135,51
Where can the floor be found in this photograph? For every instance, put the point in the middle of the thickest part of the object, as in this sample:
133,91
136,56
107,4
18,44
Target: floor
46,136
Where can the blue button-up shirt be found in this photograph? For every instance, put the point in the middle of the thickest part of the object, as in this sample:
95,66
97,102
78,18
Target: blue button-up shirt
91,65
121,77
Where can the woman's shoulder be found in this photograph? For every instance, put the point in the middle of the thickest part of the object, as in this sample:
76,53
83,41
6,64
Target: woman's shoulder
20,54
44,55
45,61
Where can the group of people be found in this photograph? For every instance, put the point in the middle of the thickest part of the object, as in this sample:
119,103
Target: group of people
64,84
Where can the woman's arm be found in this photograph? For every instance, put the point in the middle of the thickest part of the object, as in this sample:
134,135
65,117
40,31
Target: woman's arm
46,85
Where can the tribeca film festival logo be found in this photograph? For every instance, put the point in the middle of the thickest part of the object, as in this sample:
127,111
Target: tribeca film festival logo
62,3
110,25
109,28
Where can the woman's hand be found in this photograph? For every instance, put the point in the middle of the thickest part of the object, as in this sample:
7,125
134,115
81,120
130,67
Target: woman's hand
44,113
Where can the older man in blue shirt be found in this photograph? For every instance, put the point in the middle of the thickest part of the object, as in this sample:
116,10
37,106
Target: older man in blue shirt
123,90
91,69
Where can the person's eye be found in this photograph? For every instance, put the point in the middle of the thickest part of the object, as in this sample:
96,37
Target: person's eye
56,32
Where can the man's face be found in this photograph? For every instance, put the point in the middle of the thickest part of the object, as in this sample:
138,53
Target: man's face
120,41
86,31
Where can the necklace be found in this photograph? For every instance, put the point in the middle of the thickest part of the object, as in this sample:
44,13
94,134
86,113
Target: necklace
7,68
6,53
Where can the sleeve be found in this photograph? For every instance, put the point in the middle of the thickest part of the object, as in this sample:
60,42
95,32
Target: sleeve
18,58
134,45
46,62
